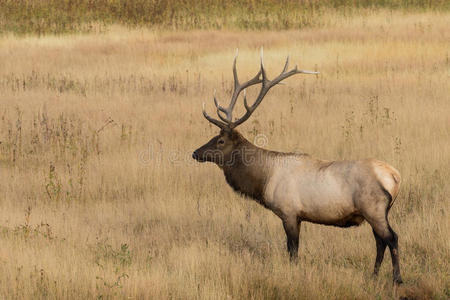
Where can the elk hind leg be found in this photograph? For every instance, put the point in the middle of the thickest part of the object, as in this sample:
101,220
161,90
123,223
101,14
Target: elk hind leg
381,248
382,230
392,242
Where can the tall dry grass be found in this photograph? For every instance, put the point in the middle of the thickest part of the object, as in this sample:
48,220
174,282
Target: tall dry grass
63,16
100,199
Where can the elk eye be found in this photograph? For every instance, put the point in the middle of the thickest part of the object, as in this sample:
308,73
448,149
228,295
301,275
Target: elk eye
221,142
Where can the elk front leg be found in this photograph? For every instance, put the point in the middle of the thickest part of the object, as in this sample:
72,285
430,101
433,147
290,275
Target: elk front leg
292,229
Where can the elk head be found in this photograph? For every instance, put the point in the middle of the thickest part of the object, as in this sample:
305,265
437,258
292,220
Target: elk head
220,148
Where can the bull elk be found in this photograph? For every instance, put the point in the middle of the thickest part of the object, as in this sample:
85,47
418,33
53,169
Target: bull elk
298,187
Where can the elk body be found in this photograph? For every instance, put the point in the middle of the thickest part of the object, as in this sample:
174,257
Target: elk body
299,187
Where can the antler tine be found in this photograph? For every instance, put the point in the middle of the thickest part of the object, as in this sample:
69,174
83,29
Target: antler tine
245,100
229,110
219,109
237,90
306,72
263,72
227,122
286,65
236,80
266,86
212,120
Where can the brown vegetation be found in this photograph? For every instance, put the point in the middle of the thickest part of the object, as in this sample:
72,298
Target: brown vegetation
63,16
100,197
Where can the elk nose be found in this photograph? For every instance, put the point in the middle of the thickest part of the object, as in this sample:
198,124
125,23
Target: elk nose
195,155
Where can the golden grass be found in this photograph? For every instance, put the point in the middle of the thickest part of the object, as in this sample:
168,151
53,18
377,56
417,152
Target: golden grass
43,17
100,198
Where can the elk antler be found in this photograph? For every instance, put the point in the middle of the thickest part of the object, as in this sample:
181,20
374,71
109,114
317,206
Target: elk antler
227,120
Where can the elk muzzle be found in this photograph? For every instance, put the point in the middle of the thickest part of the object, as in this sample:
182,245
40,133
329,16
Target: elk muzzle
208,152
196,156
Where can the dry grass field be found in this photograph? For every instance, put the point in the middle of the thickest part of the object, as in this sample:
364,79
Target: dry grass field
100,197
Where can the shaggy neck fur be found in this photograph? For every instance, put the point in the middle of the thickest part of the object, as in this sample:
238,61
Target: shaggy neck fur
247,169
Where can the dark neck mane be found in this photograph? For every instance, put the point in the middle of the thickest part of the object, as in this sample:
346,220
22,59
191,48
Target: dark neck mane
247,169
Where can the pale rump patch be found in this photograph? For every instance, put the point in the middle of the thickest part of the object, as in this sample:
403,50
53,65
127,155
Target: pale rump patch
388,177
